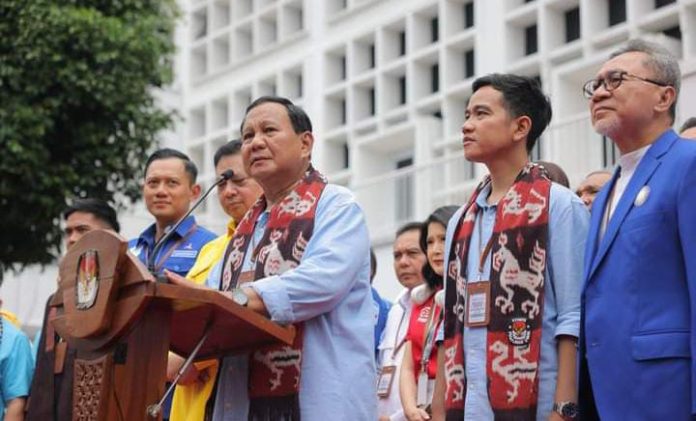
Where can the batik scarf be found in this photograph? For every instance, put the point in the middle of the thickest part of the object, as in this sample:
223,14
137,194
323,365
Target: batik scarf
274,370
518,264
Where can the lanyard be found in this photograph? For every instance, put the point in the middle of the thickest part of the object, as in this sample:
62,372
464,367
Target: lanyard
429,340
398,344
483,251
159,262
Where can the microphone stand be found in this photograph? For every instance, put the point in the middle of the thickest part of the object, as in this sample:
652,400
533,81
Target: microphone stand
159,244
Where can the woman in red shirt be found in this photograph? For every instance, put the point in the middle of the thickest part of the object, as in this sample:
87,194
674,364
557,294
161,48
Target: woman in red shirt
419,364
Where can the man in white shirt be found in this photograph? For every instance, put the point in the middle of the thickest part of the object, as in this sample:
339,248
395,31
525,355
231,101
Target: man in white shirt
408,266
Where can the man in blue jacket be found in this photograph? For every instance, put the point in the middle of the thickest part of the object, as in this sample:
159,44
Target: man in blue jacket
638,319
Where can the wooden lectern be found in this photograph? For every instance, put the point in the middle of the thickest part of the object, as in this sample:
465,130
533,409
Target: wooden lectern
122,323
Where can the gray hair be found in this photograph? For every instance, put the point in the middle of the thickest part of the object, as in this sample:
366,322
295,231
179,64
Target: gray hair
663,64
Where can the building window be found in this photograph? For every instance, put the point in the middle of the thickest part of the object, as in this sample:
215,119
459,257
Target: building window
662,3
346,156
402,43
342,110
609,152
373,101
404,192
617,12
434,29
434,78
530,40
402,90
469,15
535,153
342,65
537,78
371,49
673,32
469,69
300,87
572,24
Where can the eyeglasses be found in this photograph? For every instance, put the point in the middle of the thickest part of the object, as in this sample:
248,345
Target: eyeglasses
612,81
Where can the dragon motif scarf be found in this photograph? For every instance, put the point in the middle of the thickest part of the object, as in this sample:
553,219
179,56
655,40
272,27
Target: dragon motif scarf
518,264
274,370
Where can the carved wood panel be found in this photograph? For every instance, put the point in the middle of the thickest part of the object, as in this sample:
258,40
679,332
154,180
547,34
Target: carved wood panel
92,378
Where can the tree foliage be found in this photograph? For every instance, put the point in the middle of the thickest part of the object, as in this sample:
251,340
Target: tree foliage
77,110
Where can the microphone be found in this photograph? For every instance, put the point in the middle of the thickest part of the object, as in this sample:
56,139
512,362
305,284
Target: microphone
226,175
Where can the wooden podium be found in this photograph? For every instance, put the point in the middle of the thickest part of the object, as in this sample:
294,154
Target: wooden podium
122,324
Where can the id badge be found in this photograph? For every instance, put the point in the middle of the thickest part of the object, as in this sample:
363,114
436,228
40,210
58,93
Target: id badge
246,276
59,363
422,396
478,304
385,380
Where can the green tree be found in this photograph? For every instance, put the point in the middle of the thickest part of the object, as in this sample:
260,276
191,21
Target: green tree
78,112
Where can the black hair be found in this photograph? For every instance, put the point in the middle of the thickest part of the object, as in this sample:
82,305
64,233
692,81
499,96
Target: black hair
689,123
299,119
373,265
522,96
99,208
555,173
166,153
441,215
409,226
233,147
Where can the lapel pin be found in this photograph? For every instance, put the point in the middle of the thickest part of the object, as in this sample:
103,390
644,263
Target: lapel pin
642,196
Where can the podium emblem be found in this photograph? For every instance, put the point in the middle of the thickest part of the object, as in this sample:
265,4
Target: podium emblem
87,284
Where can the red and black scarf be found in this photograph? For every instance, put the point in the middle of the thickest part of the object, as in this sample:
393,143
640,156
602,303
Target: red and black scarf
518,254
274,370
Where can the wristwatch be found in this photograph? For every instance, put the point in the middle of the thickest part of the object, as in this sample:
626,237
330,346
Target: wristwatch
239,297
568,410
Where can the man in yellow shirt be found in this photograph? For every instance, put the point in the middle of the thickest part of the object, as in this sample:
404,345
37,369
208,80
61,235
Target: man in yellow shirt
236,196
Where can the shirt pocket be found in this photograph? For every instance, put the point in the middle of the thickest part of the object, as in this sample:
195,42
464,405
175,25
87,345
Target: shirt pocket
180,265
661,345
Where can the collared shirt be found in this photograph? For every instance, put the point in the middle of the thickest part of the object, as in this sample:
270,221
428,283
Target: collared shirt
392,338
179,252
210,255
16,365
627,165
568,224
330,292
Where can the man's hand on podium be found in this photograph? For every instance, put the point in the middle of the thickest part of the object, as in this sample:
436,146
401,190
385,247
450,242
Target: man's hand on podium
255,302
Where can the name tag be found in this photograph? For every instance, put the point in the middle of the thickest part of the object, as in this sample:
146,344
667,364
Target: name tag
186,254
385,380
478,304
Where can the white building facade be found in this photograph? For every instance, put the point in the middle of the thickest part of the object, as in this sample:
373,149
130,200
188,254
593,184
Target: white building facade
386,83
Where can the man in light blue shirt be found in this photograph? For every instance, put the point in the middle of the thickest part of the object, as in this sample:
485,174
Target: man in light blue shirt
328,291
505,116
16,371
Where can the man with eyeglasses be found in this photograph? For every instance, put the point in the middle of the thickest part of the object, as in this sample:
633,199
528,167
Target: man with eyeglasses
237,195
639,294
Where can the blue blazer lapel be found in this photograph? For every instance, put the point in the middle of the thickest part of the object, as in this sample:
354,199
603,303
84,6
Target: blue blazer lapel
596,217
640,178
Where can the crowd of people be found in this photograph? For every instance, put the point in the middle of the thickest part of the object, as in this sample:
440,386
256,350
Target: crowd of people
529,301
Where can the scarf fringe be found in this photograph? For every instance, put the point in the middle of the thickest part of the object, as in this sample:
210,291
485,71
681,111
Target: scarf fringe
282,408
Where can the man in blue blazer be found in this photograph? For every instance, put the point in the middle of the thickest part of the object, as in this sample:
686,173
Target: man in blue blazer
639,294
